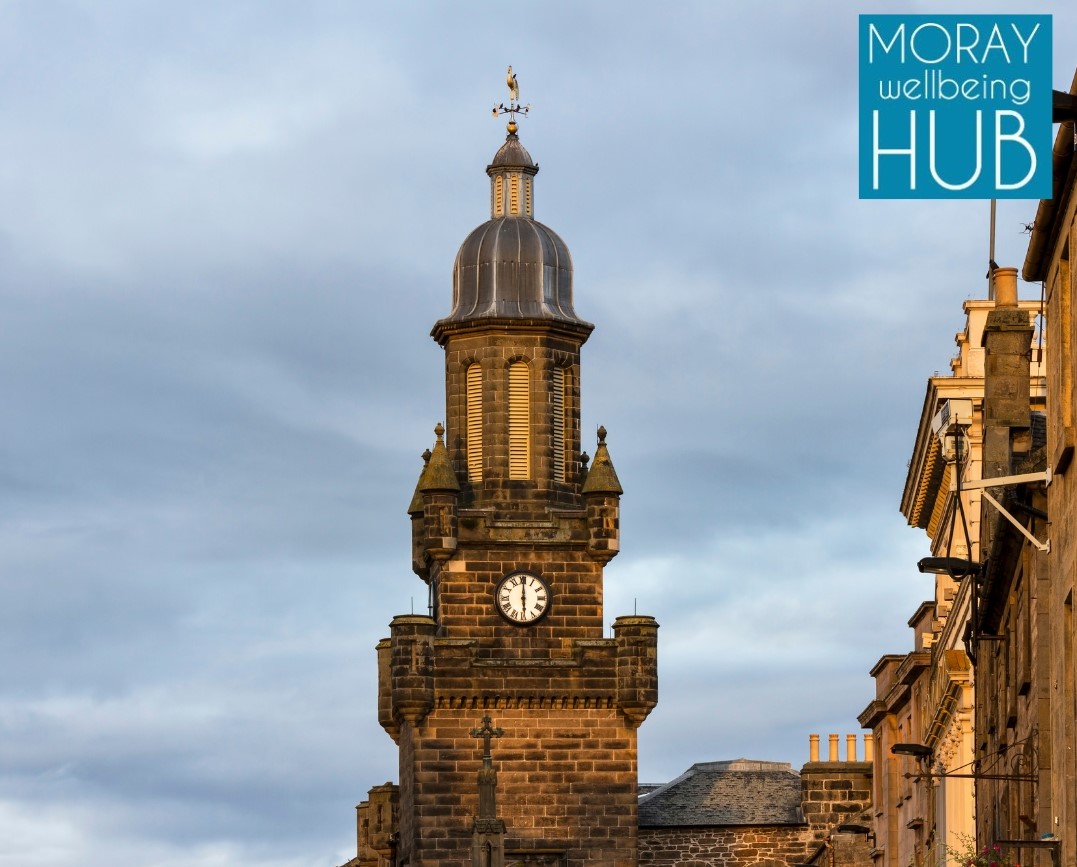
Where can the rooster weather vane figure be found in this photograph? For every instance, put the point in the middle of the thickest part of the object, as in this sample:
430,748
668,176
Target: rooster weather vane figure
513,108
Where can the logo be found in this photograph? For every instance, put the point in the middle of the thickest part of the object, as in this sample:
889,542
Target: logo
955,107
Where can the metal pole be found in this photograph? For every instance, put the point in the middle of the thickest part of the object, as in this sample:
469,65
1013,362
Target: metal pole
991,257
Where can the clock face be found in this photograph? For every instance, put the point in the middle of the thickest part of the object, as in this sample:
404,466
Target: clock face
522,598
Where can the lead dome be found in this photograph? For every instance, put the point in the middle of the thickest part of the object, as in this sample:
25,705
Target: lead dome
512,266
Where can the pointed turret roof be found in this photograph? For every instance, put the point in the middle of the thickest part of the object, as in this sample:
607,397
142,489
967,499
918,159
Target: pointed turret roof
602,477
439,475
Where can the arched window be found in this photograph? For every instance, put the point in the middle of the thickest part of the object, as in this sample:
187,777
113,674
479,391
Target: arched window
519,421
474,422
514,194
557,400
499,196
568,435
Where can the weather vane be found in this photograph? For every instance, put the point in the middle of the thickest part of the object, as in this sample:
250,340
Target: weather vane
514,107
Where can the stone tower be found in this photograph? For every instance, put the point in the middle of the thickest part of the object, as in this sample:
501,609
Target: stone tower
509,688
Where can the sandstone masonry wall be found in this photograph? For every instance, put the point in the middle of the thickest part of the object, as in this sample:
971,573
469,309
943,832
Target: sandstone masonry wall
566,782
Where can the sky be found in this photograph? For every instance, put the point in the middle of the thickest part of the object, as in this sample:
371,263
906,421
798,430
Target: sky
226,230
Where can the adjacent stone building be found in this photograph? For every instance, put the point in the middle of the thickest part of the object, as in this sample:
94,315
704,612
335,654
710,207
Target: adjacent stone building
1045,638
925,698
747,813
994,462
1011,627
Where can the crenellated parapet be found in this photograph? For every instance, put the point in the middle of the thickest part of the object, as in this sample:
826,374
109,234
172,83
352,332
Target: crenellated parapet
597,674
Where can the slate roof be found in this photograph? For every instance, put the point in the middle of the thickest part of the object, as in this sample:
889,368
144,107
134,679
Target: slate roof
739,792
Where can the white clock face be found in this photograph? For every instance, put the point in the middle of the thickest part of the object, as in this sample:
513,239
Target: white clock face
522,598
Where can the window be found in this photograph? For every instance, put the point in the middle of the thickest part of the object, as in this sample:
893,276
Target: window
474,422
519,421
557,400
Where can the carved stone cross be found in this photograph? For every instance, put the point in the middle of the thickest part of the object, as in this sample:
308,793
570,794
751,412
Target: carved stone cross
487,774
487,731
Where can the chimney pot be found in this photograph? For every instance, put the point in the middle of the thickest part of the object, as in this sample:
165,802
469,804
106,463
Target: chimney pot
1005,287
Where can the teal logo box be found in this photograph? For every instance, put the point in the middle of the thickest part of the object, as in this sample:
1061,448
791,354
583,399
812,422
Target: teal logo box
955,107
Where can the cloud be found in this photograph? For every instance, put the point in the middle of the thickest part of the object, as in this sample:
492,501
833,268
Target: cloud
225,233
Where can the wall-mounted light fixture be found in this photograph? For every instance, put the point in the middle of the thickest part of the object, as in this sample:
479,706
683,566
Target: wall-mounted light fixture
922,752
958,569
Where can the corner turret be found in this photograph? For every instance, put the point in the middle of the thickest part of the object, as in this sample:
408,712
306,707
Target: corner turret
602,499
441,493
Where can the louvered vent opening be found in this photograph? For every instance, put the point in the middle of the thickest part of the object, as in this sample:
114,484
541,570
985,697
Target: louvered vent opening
519,421
499,196
474,422
558,400
568,437
527,197
514,194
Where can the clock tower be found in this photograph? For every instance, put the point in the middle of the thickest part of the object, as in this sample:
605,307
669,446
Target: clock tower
515,715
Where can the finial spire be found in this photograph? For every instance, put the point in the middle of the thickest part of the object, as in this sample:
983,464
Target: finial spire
514,107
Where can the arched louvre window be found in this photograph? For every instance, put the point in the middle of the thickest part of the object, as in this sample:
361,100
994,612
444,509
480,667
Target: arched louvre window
519,421
474,422
514,194
557,400
567,432
499,196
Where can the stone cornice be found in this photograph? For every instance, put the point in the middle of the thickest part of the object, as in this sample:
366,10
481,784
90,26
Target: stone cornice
445,329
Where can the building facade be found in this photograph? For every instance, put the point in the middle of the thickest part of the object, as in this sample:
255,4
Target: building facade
1053,242
925,705
1010,631
747,813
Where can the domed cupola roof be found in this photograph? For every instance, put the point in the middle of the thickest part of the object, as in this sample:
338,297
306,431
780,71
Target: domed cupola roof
512,155
512,266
